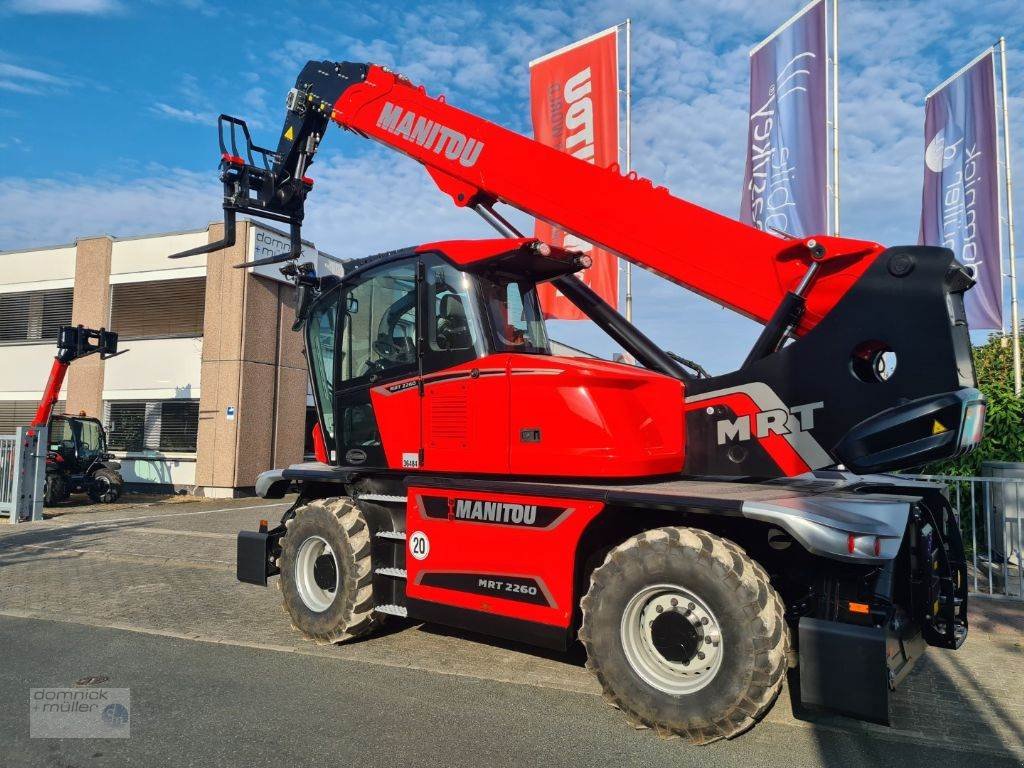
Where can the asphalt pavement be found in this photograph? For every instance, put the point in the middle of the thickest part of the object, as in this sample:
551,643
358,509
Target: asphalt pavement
142,596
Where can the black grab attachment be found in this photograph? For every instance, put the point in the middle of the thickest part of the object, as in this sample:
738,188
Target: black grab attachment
272,184
75,341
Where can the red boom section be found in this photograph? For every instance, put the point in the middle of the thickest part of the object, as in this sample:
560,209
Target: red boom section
476,161
50,394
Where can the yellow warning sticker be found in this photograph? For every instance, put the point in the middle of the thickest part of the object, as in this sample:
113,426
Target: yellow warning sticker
938,427
290,136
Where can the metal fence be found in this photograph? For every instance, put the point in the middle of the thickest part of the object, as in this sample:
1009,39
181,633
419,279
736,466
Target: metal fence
22,474
989,510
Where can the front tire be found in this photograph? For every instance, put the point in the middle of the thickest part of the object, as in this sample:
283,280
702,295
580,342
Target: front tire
326,571
685,634
55,490
105,486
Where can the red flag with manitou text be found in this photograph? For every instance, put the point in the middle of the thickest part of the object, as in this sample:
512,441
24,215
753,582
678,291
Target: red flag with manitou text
574,100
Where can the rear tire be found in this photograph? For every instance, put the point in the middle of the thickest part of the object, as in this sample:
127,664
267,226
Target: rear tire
326,571
685,634
105,486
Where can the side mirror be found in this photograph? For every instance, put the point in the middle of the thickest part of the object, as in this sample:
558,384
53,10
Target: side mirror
303,298
351,304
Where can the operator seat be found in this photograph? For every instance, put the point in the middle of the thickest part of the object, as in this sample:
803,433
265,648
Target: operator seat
452,324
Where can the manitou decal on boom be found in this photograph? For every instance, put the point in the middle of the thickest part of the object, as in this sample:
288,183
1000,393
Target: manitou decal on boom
430,135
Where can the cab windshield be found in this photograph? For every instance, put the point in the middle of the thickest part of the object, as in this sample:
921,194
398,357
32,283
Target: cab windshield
515,317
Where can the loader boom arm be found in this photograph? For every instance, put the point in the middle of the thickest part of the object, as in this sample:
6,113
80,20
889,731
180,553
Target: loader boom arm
477,162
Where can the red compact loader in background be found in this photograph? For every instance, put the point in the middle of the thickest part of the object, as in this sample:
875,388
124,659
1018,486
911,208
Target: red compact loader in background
698,534
76,453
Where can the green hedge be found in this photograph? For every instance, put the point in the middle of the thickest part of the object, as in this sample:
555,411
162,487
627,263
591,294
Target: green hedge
1004,423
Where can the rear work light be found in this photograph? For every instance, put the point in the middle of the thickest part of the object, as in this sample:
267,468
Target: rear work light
973,428
866,546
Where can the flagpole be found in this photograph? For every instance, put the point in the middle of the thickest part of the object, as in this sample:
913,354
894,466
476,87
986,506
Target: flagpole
629,165
835,116
1008,180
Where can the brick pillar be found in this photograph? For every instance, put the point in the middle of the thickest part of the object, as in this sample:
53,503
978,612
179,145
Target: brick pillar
253,363
91,308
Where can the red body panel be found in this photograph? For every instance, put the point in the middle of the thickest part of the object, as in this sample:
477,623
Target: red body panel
465,253
596,419
319,446
398,420
736,265
489,566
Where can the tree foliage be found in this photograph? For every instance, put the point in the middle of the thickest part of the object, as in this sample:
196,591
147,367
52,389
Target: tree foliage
1004,422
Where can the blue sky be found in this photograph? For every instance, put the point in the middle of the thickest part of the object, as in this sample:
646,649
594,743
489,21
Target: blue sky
108,109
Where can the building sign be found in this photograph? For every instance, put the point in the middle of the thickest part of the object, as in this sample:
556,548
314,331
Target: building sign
264,242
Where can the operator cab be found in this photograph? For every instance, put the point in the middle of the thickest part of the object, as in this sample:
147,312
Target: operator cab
437,358
77,439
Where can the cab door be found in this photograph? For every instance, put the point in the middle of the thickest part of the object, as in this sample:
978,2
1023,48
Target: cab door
376,411
465,387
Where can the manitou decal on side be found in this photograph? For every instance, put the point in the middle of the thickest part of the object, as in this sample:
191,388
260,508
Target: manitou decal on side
492,511
429,134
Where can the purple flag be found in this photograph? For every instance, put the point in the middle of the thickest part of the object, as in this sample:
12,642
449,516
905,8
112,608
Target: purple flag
785,184
960,205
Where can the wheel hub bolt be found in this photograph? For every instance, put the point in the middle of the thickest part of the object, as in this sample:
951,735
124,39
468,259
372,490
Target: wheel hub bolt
700,655
674,602
704,621
707,640
659,609
691,606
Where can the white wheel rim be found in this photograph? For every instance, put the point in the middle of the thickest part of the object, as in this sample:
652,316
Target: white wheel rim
317,598
672,639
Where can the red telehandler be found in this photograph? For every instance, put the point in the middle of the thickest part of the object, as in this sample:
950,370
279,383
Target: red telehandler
699,534
77,460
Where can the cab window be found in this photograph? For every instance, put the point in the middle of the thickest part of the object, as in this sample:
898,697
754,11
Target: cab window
321,333
451,325
379,333
515,317
90,438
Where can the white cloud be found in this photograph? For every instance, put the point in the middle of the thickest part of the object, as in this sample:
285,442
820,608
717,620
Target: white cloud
18,79
169,199
185,115
83,7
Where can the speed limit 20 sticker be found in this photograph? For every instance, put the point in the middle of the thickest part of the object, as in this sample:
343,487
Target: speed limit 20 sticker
419,545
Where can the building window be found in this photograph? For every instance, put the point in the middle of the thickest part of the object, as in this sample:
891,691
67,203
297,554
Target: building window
162,425
158,308
34,315
19,413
